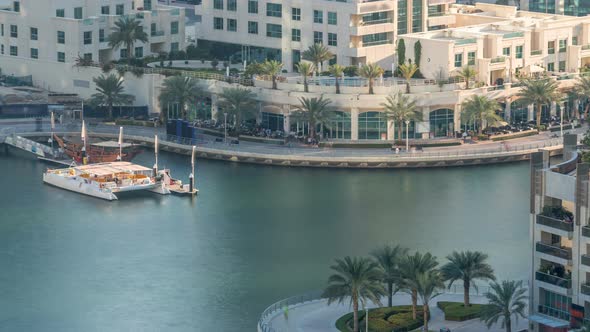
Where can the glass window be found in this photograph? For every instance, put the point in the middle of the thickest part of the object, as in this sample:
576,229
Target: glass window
61,57
2,29
506,51
318,37
232,5
174,28
551,66
61,37
471,58
332,39
574,40
34,34
218,23
13,50
442,122
13,31
402,20
253,6
253,27
78,13
376,18
459,60
174,47
554,304
139,52
332,18
518,51
105,10
274,10
1,49
272,121
338,126
120,9
147,4
88,56
562,45
232,24
372,125
60,13
16,6
87,37
417,15
218,4
376,39
295,35
123,53
34,53
318,16
296,14
274,30
101,37
561,66
296,59
551,47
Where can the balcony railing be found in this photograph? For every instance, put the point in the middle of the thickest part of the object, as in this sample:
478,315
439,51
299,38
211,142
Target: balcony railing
585,289
586,47
498,59
465,41
554,280
555,223
536,52
157,33
513,34
585,260
373,22
565,253
377,42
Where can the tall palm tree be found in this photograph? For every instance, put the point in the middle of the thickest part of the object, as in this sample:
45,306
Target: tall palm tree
180,90
126,32
371,71
428,285
539,92
400,107
388,257
410,267
305,69
337,71
110,92
582,91
408,71
467,73
467,266
273,69
313,111
239,103
358,279
317,53
505,300
479,110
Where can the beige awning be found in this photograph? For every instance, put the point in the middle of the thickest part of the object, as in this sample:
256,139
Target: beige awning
531,69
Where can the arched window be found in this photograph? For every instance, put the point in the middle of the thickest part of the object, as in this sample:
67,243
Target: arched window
442,122
372,125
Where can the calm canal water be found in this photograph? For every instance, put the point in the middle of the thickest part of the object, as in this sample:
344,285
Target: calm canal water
254,235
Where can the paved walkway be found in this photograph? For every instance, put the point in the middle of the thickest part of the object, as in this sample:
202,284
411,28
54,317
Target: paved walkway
317,316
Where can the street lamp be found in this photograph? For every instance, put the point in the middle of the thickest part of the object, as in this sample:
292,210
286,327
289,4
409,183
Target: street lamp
407,135
225,127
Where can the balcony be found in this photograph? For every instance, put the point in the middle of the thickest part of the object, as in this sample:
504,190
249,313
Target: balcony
536,52
564,253
555,223
372,7
585,260
586,231
585,289
499,59
553,280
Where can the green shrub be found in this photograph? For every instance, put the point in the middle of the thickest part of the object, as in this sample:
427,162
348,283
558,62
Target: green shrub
389,319
124,122
482,137
456,311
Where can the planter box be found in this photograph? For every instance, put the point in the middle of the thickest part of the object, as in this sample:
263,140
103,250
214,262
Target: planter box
273,141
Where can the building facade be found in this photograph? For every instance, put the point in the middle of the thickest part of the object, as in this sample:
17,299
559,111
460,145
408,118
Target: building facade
60,31
560,241
356,31
563,7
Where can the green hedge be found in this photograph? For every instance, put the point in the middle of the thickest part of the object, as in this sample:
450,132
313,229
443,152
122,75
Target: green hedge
512,136
389,319
123,122
262,140
565,127
456,311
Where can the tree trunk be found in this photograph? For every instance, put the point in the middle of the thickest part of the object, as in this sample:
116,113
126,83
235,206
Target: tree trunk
355,314
311,130
508,324
539,111
467,83
305,86
401,129
389,294
337,85
110,111
425,308
466,292
414,303
274,82
408,86
129,54
370,86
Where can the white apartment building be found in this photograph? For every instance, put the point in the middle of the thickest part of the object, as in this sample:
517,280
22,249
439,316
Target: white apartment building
563,7
560,241
356,31
499,42
63,30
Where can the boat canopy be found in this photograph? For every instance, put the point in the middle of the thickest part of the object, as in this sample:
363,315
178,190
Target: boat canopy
103,169
112,144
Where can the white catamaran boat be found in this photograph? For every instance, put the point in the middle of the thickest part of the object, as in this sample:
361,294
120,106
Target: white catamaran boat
102,180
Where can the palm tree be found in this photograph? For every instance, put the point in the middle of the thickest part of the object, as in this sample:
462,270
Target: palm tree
273,69
387,257
126,32
110,93
411,266
313,111
467,266
539,92
305,69
357,278
428,285
239,103
371,71
400,108
317,53
480,109
505,300
180,90
337,71
582,90
408,71
467,73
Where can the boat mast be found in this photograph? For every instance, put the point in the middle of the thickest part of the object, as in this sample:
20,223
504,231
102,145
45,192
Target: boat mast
52,130
83,135
192,175
120,156
156,154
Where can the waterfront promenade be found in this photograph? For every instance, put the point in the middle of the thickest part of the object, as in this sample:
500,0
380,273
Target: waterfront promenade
487,152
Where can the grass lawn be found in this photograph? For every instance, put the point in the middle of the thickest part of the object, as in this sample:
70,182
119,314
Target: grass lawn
389,319
455,311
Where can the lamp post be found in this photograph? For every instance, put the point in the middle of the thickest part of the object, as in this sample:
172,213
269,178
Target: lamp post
407,135
225,127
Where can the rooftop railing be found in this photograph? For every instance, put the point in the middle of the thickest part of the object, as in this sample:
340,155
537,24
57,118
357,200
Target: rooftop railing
465,41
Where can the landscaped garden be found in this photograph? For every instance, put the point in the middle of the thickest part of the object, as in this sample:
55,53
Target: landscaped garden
457,311
388,319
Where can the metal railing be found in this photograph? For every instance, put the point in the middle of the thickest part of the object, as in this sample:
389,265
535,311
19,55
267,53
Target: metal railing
554,280
565,253
555,223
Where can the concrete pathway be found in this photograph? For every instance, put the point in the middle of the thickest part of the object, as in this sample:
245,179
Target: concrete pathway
318,316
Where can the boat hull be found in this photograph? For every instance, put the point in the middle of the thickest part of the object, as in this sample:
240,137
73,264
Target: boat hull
78,186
